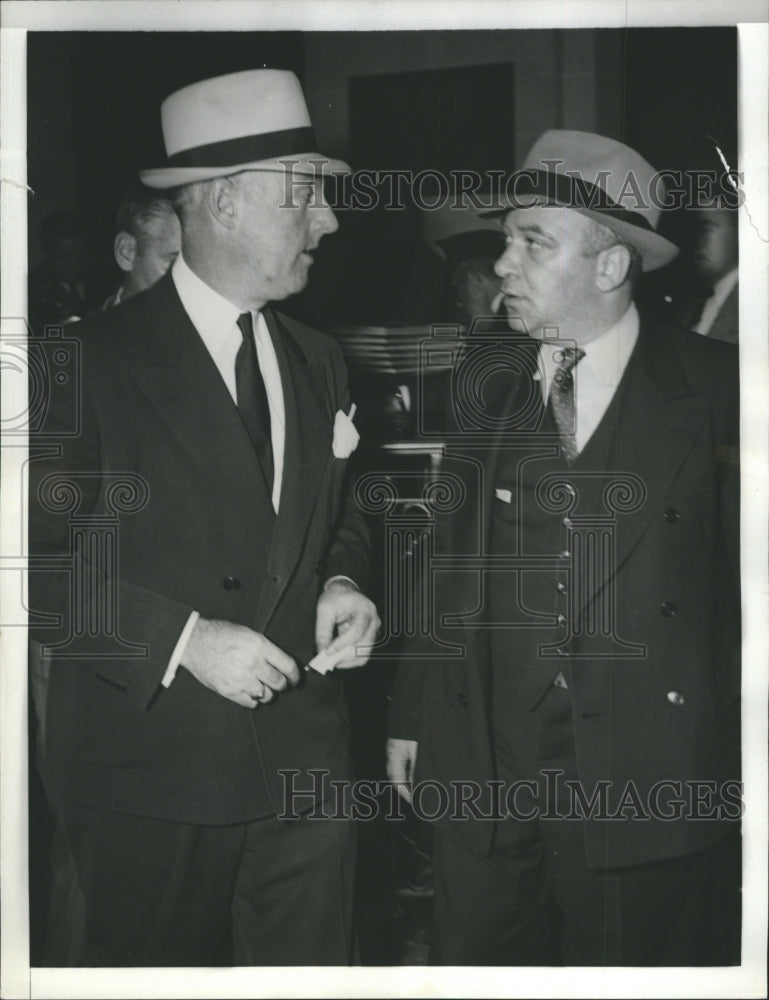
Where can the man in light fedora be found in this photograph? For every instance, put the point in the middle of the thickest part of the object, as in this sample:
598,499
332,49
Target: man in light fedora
211,442
584,723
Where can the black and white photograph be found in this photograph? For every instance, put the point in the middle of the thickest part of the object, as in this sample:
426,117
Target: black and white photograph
384,499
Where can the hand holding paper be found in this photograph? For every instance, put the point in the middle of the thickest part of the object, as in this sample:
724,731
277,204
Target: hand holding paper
346,625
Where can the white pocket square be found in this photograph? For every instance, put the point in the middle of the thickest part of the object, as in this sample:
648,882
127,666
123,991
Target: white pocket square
346,437
504,495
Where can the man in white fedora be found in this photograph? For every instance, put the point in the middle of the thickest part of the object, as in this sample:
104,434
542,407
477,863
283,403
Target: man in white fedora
586,728
184,712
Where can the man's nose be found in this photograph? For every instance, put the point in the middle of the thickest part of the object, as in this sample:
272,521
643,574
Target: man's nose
507,263
325,221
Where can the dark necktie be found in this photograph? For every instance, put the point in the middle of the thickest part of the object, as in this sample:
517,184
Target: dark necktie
561,401
252,398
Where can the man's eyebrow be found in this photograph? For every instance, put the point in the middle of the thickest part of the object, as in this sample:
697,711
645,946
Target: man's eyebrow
534,228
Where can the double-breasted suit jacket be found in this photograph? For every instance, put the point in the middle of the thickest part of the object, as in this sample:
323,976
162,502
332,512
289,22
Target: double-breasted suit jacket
199,533
648,640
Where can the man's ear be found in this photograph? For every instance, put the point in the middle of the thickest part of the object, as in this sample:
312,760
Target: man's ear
221,198
612,267
124,249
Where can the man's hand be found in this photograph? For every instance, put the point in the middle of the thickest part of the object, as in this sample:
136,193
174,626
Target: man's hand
238,663
401,762
344,610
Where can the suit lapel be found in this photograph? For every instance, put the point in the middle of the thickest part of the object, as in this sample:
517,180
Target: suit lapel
309,419
182,381
506,404
657,421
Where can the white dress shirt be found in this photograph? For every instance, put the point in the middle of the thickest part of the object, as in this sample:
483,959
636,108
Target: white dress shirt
721,291
597,374
215,318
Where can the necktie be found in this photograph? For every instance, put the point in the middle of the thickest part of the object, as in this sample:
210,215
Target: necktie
561,401
252,397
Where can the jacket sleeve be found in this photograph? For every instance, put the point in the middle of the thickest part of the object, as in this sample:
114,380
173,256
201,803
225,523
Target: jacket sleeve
350,547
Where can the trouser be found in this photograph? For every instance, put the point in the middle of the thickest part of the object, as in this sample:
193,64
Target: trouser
534,901
267,892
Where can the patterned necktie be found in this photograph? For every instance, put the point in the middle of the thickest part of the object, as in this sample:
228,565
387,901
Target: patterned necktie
561,401
252,398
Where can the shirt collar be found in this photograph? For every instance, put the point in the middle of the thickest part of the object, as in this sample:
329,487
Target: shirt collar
606,356
724,285
212,315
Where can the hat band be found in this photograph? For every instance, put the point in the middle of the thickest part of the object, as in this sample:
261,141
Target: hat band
246,149
573,192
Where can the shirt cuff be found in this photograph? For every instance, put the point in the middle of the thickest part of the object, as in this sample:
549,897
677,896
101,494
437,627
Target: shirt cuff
179,648
339,576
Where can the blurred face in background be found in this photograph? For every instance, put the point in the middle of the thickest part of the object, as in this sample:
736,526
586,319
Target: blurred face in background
67,257
475,287
146,257
716,243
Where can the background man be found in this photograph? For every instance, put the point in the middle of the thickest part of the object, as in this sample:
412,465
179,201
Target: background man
599,620
177,695
148,239
716,262
701,290
468,246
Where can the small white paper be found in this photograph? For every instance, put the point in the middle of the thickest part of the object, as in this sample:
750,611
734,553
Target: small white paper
324,662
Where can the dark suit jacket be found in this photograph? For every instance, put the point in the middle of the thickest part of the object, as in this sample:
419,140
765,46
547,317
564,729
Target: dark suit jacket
677,430
201,534
726,325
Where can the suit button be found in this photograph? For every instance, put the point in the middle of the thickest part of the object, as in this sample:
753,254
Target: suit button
231,583
676,698
671,515
668,609
462,699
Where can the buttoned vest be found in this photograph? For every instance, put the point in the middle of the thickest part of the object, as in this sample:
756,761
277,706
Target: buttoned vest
531,599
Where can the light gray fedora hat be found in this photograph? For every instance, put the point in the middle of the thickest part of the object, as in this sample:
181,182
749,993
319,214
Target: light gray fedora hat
600,178
252,120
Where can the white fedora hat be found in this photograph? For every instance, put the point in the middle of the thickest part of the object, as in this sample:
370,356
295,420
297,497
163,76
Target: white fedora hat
253,120
598,177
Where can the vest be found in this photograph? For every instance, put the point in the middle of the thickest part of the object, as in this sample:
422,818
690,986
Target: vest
531,637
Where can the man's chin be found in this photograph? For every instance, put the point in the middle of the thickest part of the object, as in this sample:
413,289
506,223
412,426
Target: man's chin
517,322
